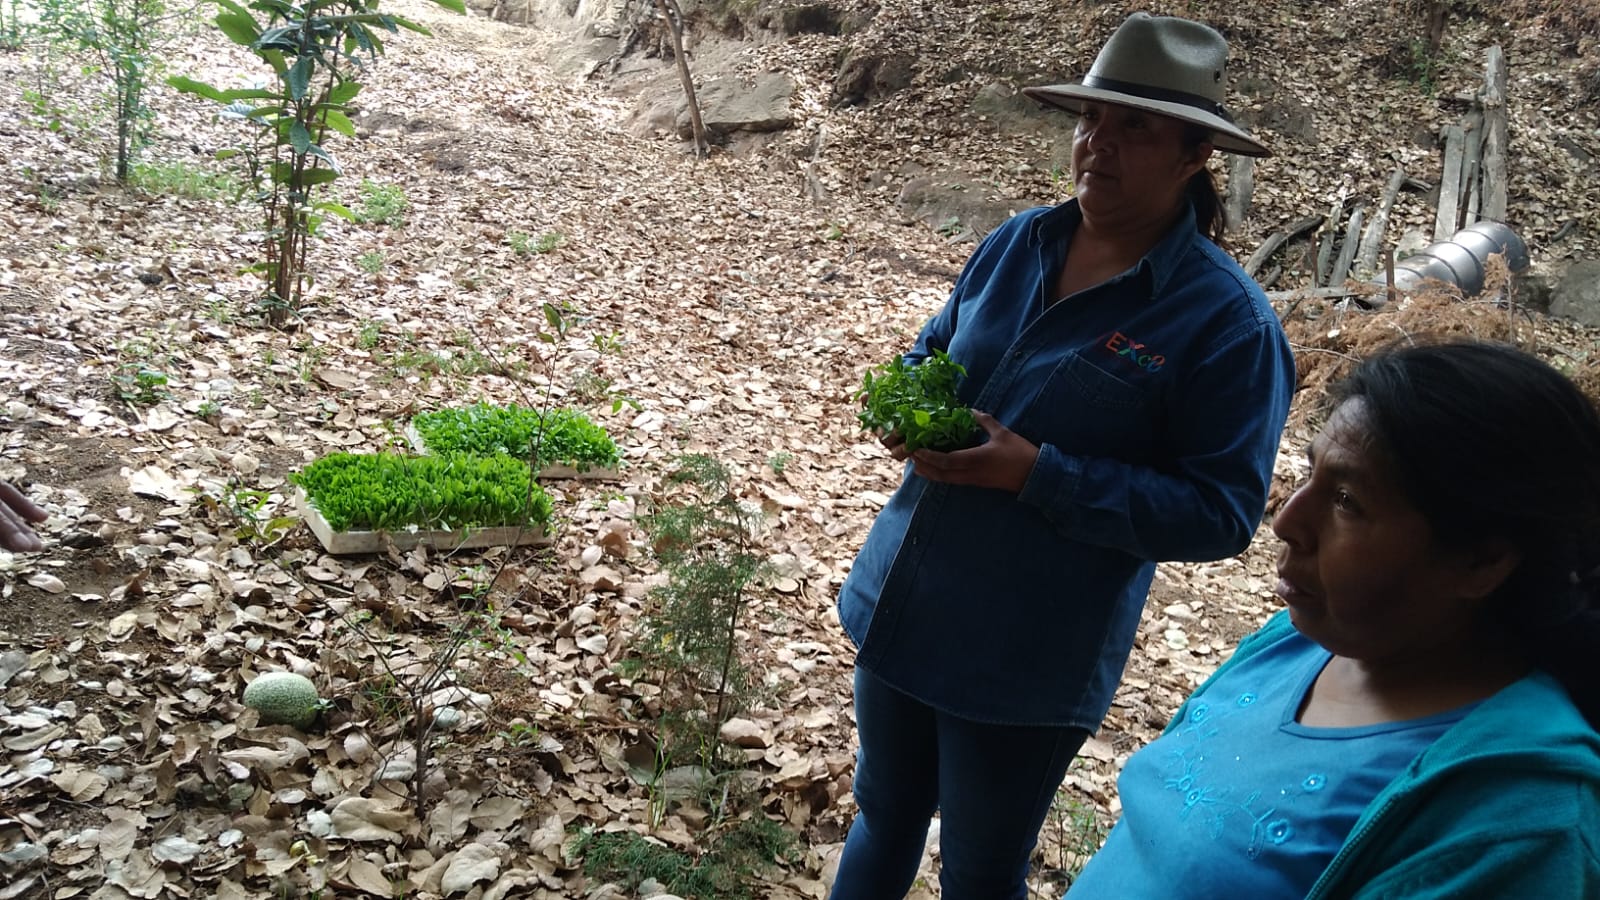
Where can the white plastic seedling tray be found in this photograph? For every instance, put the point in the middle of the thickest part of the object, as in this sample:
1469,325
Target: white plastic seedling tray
548,473
342,543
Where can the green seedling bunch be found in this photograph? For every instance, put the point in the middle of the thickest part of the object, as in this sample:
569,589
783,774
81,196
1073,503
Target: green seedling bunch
918,401
392,492
563,436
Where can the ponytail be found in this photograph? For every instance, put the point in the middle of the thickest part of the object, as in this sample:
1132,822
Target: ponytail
1209,216
1567,643
1202,191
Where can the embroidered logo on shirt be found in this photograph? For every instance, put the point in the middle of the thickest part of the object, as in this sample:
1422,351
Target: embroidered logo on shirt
1131,350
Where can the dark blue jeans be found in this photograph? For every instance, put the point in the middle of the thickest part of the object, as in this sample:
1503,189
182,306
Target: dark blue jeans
992,786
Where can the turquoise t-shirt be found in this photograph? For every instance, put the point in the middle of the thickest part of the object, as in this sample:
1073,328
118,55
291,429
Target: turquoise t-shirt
1239,799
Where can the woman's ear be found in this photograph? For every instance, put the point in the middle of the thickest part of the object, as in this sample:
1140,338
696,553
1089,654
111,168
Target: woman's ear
1197,158
1487,566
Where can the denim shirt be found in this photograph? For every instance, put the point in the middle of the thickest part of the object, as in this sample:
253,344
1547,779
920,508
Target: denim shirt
1156,400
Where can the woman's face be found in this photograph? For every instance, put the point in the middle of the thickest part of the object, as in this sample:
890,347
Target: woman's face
1128,163
1361,569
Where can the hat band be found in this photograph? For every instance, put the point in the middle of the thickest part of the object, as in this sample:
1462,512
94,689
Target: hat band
1163,95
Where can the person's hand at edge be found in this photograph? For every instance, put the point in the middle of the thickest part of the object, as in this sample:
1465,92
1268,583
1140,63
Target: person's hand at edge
1002,462
16,514
895,444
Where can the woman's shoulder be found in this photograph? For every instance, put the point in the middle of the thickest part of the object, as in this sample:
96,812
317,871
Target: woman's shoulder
1531,723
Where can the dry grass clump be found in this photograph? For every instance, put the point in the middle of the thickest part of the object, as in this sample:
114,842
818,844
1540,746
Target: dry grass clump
1330,336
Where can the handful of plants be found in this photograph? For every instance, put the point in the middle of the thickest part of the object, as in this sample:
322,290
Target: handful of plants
394,492
564,436
919,401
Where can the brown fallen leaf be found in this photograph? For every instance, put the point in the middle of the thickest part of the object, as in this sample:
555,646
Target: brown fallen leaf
365,819
79,783
468,866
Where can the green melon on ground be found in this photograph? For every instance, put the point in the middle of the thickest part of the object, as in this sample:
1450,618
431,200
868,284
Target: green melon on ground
283,698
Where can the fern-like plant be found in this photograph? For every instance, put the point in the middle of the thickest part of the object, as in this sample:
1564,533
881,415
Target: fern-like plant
708,544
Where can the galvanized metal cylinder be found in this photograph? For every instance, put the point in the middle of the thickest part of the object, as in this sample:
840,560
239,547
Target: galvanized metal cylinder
1461,260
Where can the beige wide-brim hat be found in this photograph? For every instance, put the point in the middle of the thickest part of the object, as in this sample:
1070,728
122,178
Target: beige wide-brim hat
1166,65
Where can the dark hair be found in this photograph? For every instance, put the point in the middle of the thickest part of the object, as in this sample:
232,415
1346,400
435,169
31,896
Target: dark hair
1209,215
1492,443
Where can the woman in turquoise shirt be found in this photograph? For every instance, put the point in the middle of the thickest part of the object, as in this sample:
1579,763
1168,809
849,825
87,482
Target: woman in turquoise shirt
1420,723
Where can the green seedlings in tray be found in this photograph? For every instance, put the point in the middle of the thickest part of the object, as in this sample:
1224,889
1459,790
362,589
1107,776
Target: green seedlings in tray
394,492
563,436
919,401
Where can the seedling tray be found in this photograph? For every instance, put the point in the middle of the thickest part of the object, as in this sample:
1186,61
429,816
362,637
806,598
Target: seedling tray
552,472
345,543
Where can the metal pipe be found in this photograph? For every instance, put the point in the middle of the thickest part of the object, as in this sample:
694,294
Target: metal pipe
1461,260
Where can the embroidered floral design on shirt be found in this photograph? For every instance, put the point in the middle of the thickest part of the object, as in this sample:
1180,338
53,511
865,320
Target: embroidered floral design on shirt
1267,827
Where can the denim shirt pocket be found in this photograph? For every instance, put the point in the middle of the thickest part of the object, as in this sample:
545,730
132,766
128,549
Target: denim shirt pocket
1077,393
1096,386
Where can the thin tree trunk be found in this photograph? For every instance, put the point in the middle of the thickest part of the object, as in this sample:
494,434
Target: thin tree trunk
1438,13
673,15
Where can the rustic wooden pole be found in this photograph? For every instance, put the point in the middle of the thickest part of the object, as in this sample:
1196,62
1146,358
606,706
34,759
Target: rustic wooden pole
1472,170
1325,249
1241,184
1449,215
1372,238
1388,270
1271,244
1495,139
1347,251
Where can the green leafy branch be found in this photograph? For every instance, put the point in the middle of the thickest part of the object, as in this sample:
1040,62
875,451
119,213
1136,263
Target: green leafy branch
314,48
919,401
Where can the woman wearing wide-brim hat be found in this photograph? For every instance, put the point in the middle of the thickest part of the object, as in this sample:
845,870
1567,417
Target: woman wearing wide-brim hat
1132,383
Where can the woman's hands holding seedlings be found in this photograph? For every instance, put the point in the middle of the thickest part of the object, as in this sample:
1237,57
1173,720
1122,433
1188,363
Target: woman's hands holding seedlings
1003,462
916,412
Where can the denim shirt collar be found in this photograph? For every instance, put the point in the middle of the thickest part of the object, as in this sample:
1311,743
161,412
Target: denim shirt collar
1156,266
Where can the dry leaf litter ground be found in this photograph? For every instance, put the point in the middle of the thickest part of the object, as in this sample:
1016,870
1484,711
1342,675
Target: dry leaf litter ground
734,313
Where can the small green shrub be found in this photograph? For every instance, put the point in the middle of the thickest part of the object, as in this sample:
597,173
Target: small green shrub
561,436
1424,67
1071,834
450,362
381,204
181,179
724,872
779,461
708,542
393,492
371,262
11,25
919,401
139,384
522,243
